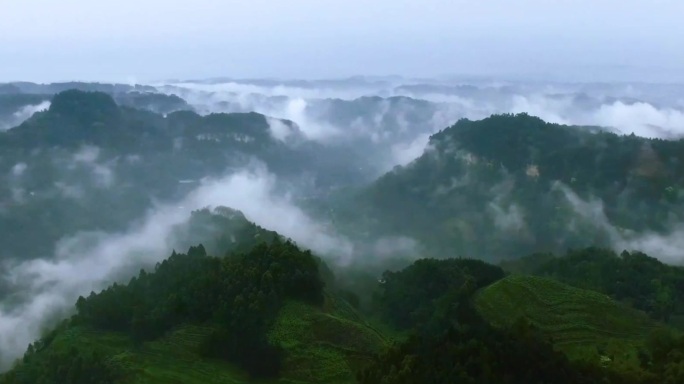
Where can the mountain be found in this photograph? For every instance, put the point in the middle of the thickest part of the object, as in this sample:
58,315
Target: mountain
267,309
87,163
510,185
246,304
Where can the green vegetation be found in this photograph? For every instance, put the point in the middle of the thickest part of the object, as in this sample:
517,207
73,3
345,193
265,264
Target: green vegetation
171,359
508,185
197,316
324,346
242,294
431,290
582,323
88,164
481,354
451,342
265,313
247,305
633,278
175,357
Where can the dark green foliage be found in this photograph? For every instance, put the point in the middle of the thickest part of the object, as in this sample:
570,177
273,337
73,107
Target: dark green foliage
76,118
260,359
481,354
503,186
76,366
665,356
85,108
483,273
352,298
417,294
242,293
452,343
239,297
634,278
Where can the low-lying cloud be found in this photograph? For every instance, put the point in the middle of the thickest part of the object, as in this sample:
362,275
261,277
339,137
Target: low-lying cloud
641,118
23,114
637,109
668,247
46,288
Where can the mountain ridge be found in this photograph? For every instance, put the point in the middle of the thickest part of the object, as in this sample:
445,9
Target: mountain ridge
529,185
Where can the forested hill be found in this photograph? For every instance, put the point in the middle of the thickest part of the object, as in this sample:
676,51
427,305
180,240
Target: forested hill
634,278
509,185
272,312
257,307
87,163
78,117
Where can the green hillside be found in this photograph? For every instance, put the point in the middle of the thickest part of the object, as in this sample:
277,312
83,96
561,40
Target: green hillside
327,346
634,278
510,185
321,346
266,311
584,324
266,316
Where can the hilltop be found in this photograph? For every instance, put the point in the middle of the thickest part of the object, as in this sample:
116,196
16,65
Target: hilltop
510,185
266,309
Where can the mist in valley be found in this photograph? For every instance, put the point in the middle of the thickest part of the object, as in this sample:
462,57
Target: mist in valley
102,163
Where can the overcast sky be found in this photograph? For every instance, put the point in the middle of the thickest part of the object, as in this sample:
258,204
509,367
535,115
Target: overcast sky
125,40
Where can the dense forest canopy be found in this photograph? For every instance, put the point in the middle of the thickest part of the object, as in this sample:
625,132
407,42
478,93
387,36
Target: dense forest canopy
239,296
509,185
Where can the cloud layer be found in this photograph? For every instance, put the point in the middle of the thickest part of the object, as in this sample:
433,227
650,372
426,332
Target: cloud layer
44,289
23,114
337,114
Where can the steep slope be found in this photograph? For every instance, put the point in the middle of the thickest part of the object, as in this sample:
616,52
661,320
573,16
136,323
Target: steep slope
449,304
17,107
510,185
261,313
321,346
584,324
633,278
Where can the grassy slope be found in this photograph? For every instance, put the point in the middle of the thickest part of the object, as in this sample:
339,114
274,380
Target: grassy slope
168,360
321,346
583,324
324,346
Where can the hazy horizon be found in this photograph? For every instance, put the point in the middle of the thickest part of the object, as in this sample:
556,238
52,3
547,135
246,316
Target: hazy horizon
128,41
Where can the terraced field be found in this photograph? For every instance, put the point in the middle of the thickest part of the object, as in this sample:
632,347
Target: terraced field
582,323
172,359
324,347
